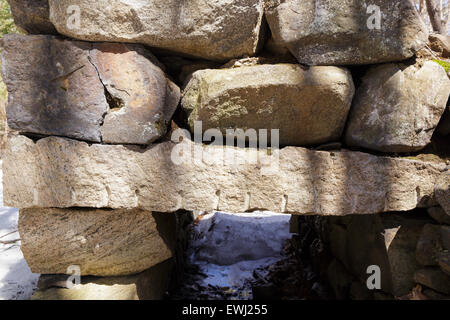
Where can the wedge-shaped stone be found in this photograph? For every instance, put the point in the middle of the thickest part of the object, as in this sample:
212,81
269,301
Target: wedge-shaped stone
342,32
216,30
113,93
397,107
58,172
308,106
32,16
99,242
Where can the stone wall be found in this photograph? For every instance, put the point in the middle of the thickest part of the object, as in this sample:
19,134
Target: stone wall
107,98
411,250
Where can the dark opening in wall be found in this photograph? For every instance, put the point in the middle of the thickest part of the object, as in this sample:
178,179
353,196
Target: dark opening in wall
246,256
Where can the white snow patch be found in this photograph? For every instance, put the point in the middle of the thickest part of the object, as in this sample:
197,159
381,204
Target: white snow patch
229,247
17,282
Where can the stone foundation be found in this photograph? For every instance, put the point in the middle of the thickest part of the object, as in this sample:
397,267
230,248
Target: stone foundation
120,111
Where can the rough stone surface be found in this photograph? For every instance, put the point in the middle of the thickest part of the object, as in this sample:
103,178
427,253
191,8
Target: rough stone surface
59,172
308,106
32,16
442,191
150,284
336,32
433,278
216,30
444,261
397,108
429,245
53,89
438,214
143,97
340,280
100,242
94,92
445,237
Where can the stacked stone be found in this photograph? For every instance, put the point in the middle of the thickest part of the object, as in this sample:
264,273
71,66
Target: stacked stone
93,165
411,251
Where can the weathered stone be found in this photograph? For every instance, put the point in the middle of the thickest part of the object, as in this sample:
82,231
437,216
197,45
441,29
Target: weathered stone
59,172
150,284
442,191
219,30
336,32
53,89
32,16
438,214
308,106
396,109
433,295
340,280
366,247
100,242
401,233
429,245
94,92
433,278
388,241
143,97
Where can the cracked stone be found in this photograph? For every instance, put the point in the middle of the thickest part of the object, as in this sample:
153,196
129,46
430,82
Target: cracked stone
342,32
113,92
